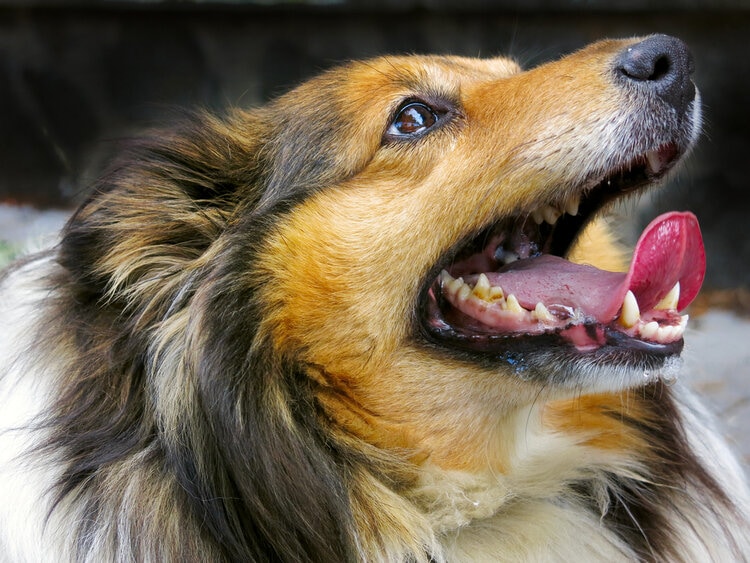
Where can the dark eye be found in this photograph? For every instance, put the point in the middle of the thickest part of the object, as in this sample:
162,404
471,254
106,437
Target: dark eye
412,119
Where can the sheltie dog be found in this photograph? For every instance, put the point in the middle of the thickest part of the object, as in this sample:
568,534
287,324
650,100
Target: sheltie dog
381,318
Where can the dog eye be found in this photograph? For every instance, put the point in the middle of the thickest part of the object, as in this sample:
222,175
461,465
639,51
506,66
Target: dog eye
413,119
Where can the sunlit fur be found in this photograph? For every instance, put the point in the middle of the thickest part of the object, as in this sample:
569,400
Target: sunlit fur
221,360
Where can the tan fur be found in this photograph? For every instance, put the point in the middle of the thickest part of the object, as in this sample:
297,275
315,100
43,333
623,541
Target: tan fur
312,284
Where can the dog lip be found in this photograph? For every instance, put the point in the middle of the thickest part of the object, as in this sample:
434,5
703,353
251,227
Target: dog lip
446,324
547,293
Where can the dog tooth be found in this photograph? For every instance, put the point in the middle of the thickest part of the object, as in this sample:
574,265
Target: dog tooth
669,301
482,287
541,313
663,334
445,277
684,321
631,313
551,215
496,293
511,257
464,292
538,216
455,285
654,162
505,256
649,330
571,207
512,304
679,329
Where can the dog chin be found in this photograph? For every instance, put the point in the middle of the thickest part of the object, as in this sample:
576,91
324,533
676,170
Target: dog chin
603,375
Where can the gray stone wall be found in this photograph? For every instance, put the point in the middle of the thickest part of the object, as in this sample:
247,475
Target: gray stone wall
76,77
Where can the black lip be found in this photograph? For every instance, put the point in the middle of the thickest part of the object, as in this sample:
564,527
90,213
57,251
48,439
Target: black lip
481,345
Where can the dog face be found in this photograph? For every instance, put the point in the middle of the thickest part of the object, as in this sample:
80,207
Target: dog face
308,312
460,166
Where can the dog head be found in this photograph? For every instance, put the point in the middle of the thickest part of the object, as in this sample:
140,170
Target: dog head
490,176
389,262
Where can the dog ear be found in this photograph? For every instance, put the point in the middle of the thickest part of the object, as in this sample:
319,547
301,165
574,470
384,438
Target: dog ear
165,199
258,467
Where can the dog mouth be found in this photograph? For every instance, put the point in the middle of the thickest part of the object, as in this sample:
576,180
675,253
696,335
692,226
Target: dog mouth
511,286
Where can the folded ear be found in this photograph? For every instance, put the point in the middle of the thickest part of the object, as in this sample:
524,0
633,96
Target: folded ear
165,199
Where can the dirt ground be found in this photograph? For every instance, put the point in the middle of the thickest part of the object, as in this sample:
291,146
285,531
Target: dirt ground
716,356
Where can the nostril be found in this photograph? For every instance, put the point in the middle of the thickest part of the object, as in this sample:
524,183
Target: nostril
662,65
639,67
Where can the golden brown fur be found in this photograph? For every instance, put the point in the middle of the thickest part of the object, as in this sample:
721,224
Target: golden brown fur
238,370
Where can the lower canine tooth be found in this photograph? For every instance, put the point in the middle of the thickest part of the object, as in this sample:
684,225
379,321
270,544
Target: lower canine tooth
631,314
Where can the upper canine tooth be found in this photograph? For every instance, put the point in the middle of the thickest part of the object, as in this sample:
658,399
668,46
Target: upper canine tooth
571,207
631,314
654,161
670,299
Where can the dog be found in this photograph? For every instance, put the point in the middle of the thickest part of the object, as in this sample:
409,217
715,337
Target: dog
381,318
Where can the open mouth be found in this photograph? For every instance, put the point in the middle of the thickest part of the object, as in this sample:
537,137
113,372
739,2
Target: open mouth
511,284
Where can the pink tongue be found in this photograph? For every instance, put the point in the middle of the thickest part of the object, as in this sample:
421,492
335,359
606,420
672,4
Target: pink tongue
669,250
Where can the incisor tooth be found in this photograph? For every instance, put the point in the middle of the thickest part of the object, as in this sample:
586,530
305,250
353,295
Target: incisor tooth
631,314
512,304
445,277
537,216
649,330
670,299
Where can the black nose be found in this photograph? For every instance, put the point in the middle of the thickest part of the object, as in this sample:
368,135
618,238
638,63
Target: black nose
662,65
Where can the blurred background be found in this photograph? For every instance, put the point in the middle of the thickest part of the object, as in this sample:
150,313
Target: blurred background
76,76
